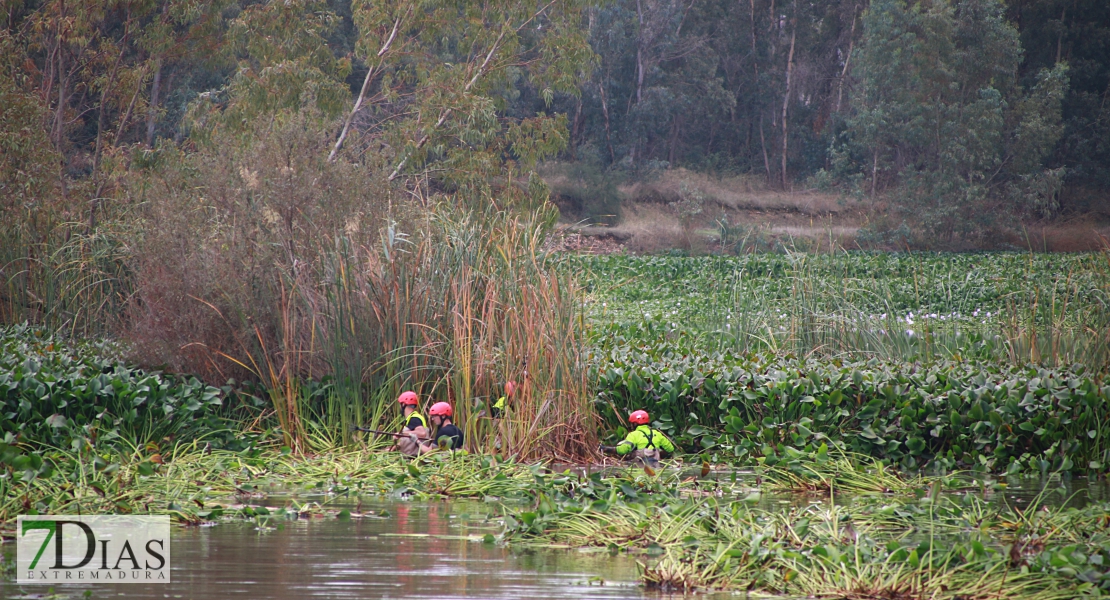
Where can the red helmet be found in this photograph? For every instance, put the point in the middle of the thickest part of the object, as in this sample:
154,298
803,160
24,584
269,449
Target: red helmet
639,417
408,398
509,387
441,409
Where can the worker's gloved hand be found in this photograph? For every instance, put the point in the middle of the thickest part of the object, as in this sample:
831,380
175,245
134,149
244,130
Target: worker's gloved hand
608,449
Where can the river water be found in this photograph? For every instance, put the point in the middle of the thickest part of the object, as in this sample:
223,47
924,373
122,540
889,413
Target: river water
417,552
411,549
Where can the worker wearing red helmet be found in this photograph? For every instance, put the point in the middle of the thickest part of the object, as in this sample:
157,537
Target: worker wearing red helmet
415,430
447,435
643,442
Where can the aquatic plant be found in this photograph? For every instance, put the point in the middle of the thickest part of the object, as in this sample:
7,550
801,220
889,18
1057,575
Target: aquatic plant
1049,309
842,473
886,546
57,392
950,414
194,482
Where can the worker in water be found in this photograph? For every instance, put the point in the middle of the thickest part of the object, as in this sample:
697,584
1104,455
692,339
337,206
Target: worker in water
643,443
498,408
415,430
447,435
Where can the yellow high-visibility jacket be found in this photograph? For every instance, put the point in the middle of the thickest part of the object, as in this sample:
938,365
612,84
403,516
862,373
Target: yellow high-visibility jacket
644,437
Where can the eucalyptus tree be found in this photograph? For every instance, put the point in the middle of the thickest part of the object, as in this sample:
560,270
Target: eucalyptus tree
1075,32
940,120
441,77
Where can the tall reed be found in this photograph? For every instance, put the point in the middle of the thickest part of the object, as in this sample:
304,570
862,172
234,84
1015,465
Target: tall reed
454,312
63,279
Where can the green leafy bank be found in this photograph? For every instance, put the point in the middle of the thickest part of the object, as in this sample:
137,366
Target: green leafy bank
993,361
953,415
56,394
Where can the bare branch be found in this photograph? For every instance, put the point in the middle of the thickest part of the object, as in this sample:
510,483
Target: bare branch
362,92
447,112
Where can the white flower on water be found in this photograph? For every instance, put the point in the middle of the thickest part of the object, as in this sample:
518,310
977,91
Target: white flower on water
909,332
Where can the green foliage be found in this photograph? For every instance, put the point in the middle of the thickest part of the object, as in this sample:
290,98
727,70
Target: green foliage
448,75
765,355
28,163
1075,33
956,415
285,66
942,121
61,395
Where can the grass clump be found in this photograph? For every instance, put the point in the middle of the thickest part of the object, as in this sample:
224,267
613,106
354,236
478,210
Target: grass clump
841,473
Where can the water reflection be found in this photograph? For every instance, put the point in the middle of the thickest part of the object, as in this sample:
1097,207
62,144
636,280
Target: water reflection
369,558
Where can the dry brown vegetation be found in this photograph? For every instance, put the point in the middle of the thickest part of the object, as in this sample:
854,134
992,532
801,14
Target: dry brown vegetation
649,218
258,259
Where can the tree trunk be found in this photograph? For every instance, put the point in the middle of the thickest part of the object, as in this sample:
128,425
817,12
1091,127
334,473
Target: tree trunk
104,96
574,129
1060,38
60,110
605,112
675,127
874,171
752,3
709,144
130,107
847,61
763,144
100,129
639,54
786,97
152,114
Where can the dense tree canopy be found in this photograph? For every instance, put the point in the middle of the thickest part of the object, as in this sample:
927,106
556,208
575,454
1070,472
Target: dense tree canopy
941,102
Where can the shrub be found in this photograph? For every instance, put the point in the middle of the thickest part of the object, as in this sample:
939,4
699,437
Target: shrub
586,192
